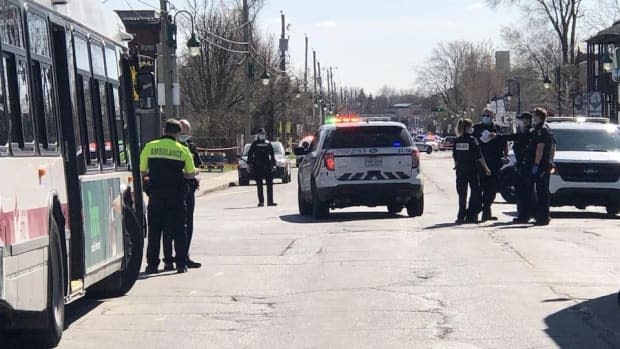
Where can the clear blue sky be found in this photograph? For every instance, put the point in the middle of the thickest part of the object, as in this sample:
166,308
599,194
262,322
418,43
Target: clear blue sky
373,45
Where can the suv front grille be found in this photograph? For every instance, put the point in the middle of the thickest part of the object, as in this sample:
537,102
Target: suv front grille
598,173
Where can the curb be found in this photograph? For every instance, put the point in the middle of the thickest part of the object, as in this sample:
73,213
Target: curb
216,189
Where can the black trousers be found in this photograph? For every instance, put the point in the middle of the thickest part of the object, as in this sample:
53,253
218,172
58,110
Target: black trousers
524,188
489,186
468,179
166,215
267,176
190,204
541,187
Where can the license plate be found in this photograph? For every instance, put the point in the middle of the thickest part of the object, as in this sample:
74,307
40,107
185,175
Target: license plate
374,162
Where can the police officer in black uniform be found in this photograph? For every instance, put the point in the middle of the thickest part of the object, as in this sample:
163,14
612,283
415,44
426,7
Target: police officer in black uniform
468,160
192,185
263,161
165,164
522,145
494,149
542,150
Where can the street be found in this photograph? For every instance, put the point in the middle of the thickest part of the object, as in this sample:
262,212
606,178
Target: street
365,279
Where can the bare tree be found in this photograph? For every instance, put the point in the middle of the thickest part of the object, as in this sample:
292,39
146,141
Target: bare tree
462,73
562,15
601,14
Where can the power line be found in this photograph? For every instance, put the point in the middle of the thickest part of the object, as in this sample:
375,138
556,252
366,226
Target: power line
224,48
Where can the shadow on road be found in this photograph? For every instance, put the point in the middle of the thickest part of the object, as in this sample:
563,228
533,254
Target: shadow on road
591,324
573,215
340,217
443,226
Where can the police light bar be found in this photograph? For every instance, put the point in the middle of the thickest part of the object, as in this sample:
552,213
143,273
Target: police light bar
339,119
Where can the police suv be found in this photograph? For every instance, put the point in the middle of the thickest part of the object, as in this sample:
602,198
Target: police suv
355,162
586,169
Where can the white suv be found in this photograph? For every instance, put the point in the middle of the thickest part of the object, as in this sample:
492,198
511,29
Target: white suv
364,163
587,166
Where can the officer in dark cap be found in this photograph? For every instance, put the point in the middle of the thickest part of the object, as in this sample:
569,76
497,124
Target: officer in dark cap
468,161
522,146
494,149
543,149
263,161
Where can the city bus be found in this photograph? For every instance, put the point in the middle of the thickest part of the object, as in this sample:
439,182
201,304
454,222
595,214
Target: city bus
71,211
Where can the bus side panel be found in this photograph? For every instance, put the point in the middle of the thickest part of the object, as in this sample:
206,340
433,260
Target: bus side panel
25,274
103,224
25,196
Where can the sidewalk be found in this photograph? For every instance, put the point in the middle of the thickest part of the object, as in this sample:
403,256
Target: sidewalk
211,182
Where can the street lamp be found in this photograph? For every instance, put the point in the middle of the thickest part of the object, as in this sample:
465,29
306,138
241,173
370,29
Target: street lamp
547,82
265,77
607,62
193,45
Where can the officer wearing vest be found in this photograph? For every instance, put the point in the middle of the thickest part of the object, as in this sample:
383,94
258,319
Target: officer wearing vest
522,145
165,164
185,138
263,161
494,149
467,159
542,151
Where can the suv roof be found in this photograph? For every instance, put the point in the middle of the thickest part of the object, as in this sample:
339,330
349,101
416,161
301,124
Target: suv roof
362,124
577,119
581,126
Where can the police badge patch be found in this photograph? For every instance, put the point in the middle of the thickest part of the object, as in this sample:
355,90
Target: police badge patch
462,146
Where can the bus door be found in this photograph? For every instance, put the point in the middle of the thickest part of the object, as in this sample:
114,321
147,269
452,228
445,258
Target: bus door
64,76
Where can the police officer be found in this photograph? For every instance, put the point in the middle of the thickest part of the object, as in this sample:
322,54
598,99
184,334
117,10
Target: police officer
467,159
165,164
522,145
543,147
263,161
192,184
494,149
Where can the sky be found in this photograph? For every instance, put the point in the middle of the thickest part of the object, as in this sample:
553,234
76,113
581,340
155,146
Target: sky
372,44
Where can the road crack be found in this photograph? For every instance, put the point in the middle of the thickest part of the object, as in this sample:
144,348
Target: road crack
508,245
290,245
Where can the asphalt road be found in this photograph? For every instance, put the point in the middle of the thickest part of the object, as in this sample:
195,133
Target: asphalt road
365,279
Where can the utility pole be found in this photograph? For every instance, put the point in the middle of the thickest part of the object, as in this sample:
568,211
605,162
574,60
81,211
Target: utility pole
250,72
166,62
329,90
321,112
283,44
314,99
306,68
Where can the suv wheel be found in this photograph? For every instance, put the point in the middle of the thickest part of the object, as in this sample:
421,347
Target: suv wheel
320,209
415,207
305,208
613,210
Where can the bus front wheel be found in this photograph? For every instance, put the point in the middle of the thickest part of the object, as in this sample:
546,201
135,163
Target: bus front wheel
55,312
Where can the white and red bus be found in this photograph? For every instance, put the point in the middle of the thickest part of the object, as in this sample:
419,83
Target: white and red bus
68,221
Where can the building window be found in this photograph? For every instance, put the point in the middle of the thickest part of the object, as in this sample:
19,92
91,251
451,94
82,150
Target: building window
11,31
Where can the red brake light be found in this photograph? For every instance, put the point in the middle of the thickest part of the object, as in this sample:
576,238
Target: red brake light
330,162
415,158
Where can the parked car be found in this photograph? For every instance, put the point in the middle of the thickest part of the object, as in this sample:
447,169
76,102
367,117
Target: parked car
447,143
432,141
424,148
283,165
214,161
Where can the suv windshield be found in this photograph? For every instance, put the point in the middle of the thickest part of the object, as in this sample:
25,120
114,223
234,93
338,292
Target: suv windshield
587,140
368,137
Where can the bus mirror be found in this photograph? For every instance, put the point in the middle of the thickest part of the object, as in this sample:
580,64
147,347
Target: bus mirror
146,90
